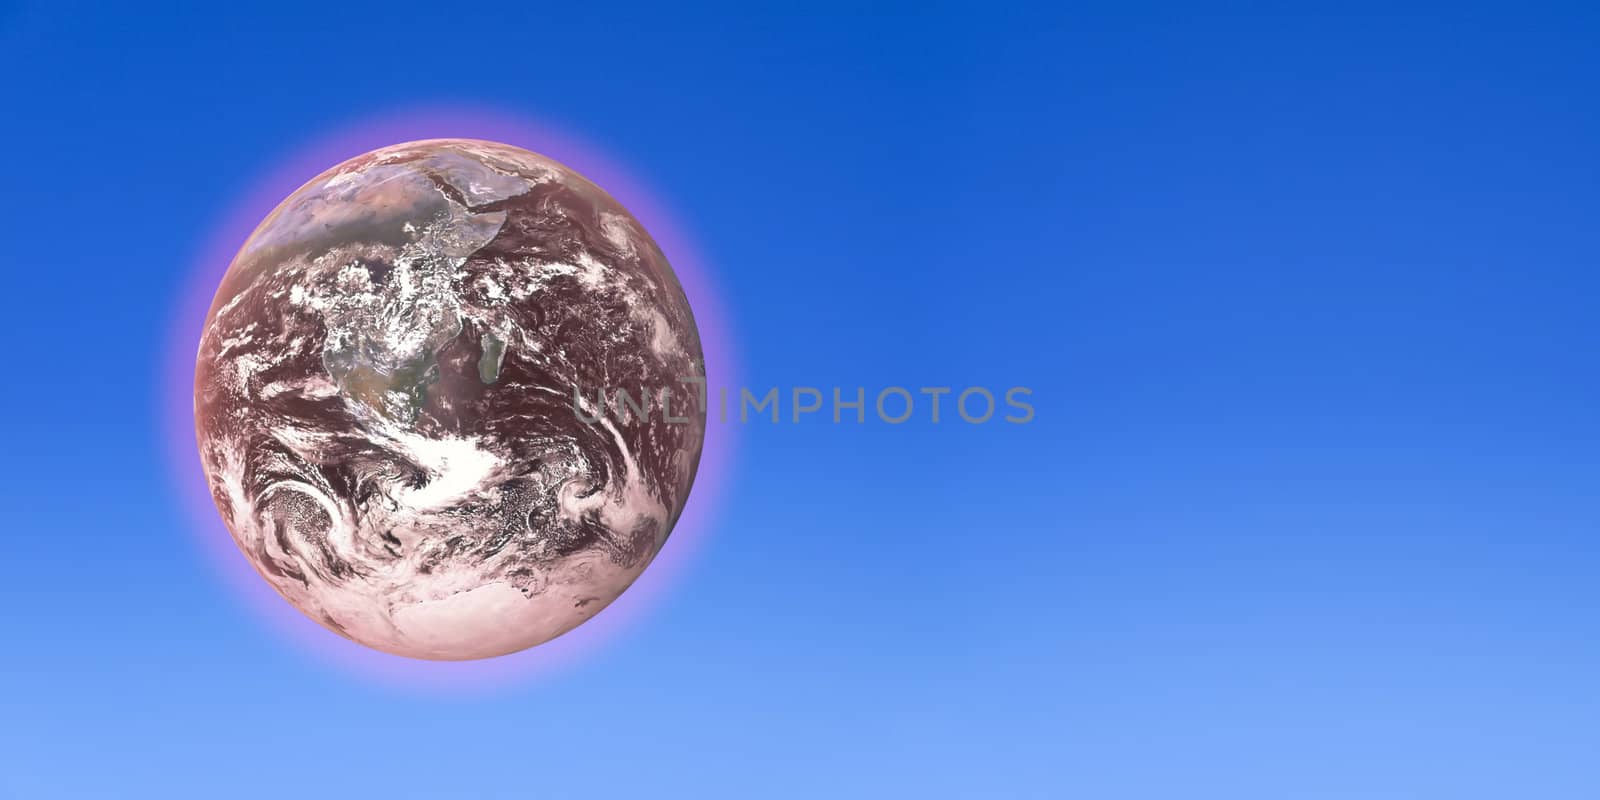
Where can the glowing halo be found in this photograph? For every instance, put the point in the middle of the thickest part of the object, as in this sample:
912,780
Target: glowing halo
216,252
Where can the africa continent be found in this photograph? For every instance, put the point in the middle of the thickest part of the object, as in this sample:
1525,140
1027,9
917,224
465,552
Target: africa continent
386,388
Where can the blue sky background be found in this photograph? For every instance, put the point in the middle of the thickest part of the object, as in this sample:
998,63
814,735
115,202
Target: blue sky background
1307,299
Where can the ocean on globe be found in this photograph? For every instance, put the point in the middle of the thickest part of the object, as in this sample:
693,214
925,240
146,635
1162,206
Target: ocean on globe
385,397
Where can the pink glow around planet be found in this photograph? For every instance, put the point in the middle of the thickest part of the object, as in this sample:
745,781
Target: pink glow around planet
384,399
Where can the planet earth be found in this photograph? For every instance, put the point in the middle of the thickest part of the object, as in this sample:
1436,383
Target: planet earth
402,408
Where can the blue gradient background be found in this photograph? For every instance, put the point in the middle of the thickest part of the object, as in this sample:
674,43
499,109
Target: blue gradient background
1306,299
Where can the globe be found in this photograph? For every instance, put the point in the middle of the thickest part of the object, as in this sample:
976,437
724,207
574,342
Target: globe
404,399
